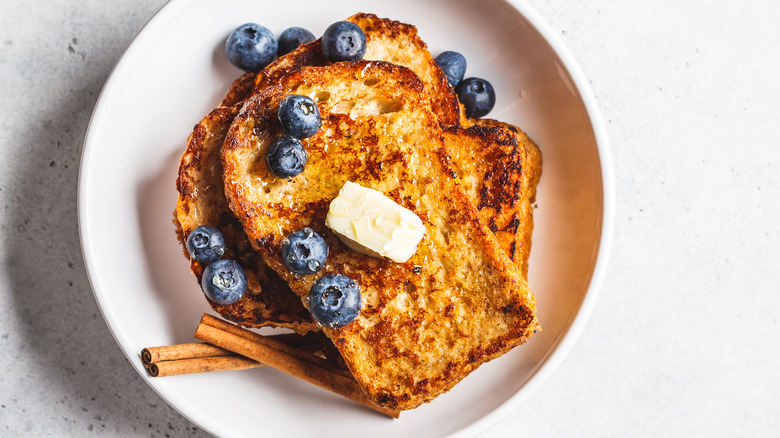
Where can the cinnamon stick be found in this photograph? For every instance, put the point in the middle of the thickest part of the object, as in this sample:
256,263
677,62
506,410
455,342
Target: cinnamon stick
272,342
181,351
200,365
172,360
300,364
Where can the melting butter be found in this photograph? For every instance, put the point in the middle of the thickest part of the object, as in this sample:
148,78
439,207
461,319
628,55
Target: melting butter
369,222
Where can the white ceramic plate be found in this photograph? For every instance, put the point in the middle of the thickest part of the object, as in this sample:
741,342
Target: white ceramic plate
175,72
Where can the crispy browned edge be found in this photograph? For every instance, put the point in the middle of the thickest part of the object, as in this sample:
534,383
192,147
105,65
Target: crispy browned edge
532,171
269,300
240,89
444,101
499,169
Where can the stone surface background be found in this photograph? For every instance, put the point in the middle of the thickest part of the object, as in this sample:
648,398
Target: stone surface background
685,337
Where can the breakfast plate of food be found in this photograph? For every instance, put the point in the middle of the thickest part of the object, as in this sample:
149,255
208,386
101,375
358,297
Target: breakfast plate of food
347,219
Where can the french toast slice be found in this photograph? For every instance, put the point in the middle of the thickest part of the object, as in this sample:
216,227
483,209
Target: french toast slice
486,160
503,190
201,201
427,323
499,169
386,40
507,213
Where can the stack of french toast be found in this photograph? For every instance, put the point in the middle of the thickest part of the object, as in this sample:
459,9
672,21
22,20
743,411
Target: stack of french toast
390,122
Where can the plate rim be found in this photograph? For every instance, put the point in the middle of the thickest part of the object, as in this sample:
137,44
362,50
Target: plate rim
570,334
568,337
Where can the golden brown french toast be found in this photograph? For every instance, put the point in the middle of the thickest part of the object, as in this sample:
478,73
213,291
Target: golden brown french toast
268,300
532,170
240,89
386,40
484,159
498,170
508,212
426,323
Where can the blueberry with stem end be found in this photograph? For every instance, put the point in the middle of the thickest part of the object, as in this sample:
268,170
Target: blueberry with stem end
304,251
286,157
477,96
299,116
343,41
224,282
251,47
205,244
292,38
335,301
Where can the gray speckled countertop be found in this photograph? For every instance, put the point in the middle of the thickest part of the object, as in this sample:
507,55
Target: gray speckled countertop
685,337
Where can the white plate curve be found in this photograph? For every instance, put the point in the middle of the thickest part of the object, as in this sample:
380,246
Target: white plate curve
174,73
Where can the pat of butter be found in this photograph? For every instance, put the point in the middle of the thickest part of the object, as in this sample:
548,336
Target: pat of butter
371,223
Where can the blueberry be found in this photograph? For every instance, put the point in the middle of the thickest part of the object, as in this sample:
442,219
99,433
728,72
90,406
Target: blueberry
206,244
224,282
453,64
334,301
477,96
251,47
343,41
299,116
304,251
293,37
286,157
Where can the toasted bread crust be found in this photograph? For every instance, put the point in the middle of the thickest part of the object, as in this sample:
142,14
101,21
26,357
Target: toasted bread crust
426,323
496,170
240,89
386,40
201,201
532,171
